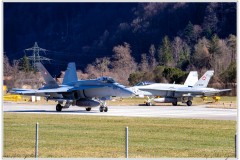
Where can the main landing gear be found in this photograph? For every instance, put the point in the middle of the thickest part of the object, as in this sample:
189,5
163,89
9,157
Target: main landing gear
103,107
187,100
149,101
189,103
59,107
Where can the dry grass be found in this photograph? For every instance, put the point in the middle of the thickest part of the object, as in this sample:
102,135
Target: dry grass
225,102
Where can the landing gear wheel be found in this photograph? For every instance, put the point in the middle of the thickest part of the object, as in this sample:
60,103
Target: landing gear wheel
101,109
174,103
88,109
189,103
105,109
59,107
148,103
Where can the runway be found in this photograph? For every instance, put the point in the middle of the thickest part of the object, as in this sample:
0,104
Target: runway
193,112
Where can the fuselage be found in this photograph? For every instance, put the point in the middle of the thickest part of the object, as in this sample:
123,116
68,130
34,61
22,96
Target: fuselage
157,89
171,90
92,89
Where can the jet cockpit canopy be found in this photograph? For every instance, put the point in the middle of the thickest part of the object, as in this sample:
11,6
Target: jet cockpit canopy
145,83
106,79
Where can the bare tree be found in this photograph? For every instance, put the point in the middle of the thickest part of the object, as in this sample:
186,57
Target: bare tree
221,56
100,67
232,44
123,63
197,31
176,48
143,66
201,57
81,75
152,59
91,71
181,52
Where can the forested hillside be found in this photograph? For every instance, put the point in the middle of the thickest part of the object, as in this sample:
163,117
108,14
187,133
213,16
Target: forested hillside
129,41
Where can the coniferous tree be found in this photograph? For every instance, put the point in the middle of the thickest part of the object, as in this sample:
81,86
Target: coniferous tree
25,65
210,20
188,32
165,53
214,45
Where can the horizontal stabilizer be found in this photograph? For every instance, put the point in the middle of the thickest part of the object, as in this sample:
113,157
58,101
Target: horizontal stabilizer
224,90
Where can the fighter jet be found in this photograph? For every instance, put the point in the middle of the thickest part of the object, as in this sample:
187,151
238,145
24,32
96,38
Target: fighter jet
82,93
174,93
140,88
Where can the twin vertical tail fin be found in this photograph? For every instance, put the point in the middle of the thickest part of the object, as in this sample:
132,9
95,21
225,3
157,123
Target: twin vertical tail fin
204,80
50,82
70,74
191,79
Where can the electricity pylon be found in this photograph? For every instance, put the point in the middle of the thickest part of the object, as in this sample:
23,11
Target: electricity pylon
35,55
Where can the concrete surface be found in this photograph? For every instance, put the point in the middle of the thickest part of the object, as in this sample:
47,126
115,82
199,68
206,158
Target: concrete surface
196,112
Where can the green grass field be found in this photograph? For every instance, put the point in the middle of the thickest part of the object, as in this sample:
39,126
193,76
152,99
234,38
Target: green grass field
92,136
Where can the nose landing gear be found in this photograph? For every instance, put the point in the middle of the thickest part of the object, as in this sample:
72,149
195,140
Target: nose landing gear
88,109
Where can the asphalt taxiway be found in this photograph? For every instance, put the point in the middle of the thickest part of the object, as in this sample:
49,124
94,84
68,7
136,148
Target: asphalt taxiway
194,112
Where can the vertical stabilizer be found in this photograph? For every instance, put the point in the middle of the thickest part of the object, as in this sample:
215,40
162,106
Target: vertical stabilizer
70,74
50,82
204,80
191,79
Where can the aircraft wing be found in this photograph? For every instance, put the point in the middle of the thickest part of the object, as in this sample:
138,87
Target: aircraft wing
186,91
156,89
38,91
209,93
202,92
153,91
22,91
52,90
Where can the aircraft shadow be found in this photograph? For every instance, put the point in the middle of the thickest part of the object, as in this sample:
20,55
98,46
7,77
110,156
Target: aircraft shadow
163,105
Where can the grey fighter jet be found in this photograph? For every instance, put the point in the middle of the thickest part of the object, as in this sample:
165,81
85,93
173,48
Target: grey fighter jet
82,93
174,93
